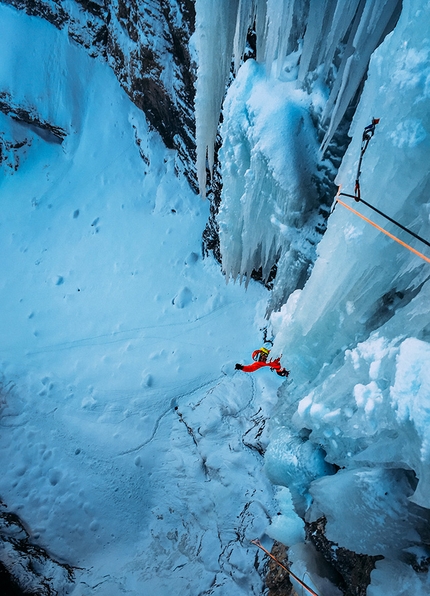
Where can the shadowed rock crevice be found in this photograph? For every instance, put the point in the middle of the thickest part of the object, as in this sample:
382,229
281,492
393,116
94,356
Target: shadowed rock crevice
353,569
347,570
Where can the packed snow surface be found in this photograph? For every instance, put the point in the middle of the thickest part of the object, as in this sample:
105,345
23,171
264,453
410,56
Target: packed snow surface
130,446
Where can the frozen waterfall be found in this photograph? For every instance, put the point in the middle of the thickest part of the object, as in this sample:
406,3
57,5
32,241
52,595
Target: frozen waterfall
337,36
356,333
311,60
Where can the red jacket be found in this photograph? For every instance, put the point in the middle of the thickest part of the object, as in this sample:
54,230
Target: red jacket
273,364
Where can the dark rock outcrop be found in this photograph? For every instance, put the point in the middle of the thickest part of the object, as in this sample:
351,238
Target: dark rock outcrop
277,579
27,568
347,570
147,46
353,569
31,117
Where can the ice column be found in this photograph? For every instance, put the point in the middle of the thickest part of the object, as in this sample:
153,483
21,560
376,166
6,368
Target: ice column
367,294
213,38
372,20
267,160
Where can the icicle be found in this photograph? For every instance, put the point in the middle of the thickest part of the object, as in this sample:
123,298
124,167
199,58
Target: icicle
245,18
319,20
260,24
214,34
278,24
368,28
342,19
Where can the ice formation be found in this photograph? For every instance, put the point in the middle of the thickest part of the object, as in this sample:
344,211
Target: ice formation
337,36
357,335
271,210
213,40
267,156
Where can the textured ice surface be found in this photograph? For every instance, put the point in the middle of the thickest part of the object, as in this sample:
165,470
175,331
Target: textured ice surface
337,40
356,337
286,526
267,160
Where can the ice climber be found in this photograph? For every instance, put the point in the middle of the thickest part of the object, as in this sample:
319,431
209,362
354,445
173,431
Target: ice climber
260,359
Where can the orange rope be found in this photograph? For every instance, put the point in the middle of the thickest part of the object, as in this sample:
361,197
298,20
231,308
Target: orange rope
372,223
258,543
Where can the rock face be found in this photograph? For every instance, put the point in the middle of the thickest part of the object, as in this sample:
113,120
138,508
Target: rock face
347,570
147,46
277,579
19,113
13,144
353,569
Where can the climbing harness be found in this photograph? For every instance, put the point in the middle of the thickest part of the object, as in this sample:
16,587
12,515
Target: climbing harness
368,133
293,575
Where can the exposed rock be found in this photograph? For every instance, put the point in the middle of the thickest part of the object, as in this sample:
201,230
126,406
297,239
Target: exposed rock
10,151
25,567
29,115
51,12
354,569
7,584
277,579
135,38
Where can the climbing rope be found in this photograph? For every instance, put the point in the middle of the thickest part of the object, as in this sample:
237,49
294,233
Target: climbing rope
368,133
372,223
298,580
402,227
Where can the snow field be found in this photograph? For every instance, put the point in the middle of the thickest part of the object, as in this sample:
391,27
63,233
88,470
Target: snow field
129,444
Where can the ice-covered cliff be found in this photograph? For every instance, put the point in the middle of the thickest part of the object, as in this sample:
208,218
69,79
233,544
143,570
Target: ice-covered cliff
356,337
278,154
355,334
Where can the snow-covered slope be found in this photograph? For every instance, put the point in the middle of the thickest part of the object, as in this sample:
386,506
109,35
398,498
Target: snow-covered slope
130,447
147,46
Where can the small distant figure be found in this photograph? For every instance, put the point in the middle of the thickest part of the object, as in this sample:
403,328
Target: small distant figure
260,358
369,131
